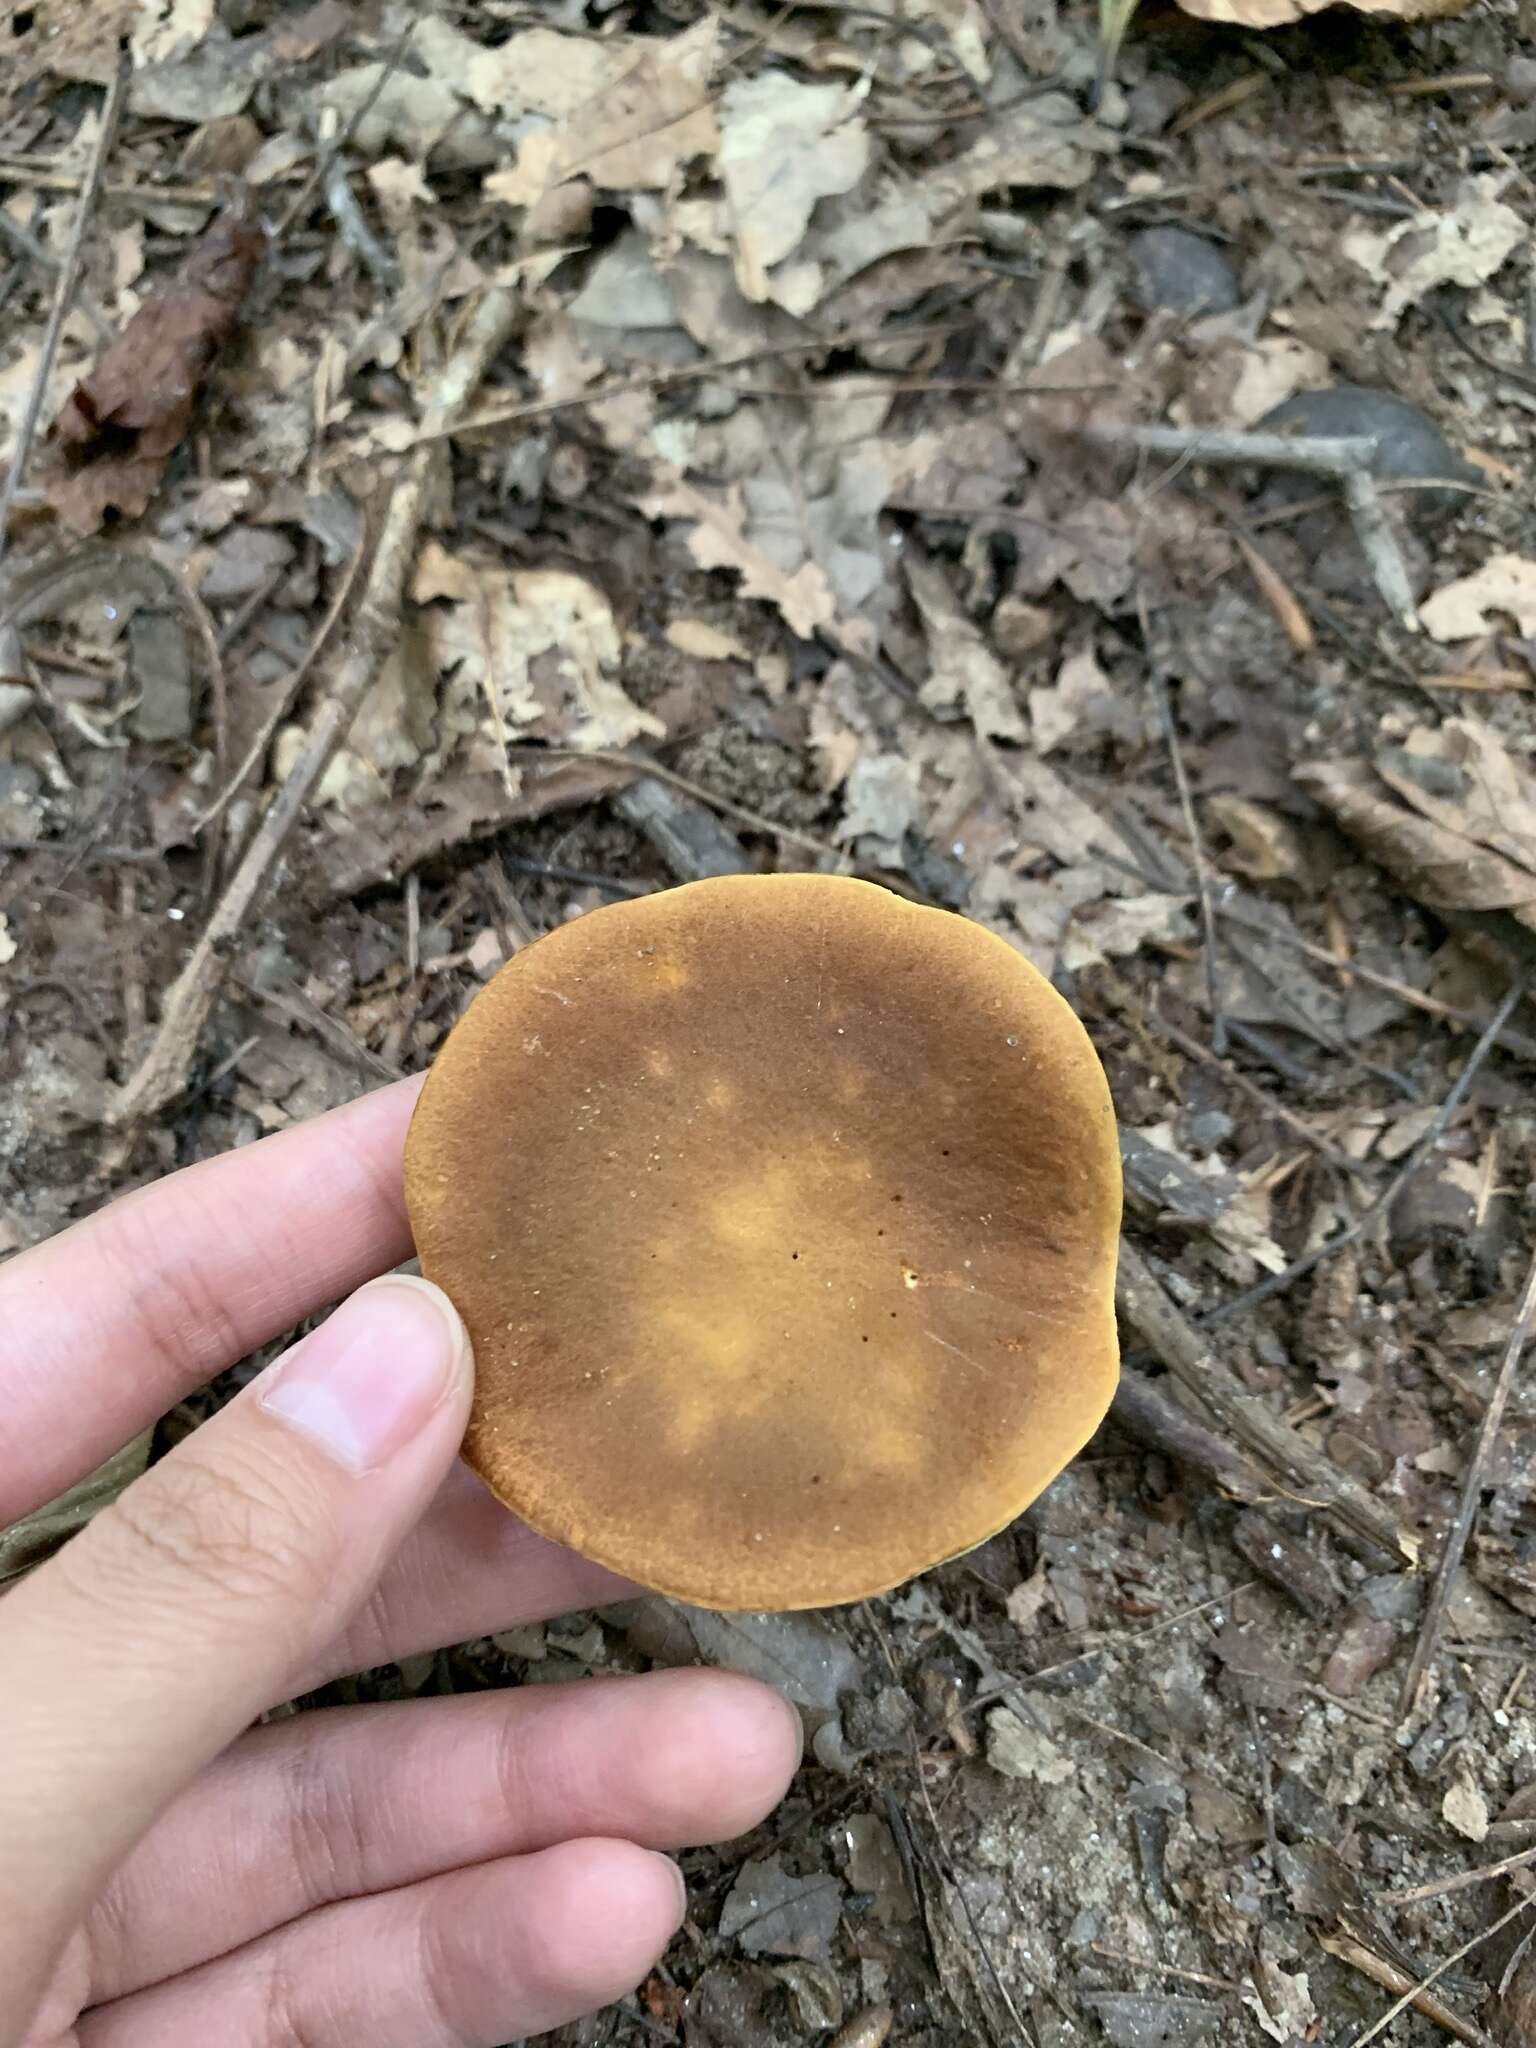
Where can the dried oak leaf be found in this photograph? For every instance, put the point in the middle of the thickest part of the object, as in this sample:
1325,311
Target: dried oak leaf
123,422
1442,868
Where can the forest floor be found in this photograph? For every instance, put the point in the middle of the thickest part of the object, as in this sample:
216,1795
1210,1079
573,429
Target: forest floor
801,516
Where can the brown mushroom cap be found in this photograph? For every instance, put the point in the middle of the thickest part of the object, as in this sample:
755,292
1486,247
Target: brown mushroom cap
783,1215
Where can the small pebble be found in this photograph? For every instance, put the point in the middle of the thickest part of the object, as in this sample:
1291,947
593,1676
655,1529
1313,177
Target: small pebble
1181,273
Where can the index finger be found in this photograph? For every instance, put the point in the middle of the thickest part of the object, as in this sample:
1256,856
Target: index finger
109,1324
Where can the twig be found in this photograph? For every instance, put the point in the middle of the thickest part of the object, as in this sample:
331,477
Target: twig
1414,1993
1161,1969
1350,458
163,1072
1393,1977
687,373
1463,1881
288,693
1143,1411
1270,1105
332,153
757,820
1276,1283
1378,543
1151,1313
1466,1513
353,227
1196,843
63,299
308,1016
1417,999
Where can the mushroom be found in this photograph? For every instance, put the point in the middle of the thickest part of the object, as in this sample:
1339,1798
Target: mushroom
783,1214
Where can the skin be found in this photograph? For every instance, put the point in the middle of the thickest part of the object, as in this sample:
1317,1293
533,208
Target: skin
453,1871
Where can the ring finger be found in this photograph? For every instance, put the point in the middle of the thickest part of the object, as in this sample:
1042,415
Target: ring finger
326,1806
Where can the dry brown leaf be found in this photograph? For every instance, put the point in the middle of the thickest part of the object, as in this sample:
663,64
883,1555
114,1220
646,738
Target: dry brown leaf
65,37
783,146
1505,585
1044,142
1464,244
1279,13
718,541
1462,776
627,114
701,641
963,671
123,422
1442,868
535,650
165,30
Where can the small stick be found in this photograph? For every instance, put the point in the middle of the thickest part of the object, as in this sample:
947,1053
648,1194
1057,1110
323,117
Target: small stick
1120,1955
289,691
1271,1105
1349,458
1432,1006
1151,1313
1463,1881
162,1075
1392,1977
1414,1994
63,299
1466,1514
686,373
296,1008
1197,854
1276,1283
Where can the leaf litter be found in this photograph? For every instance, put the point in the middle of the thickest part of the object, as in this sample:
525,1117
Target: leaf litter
795,480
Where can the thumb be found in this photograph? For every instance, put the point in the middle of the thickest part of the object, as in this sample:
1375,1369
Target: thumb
178,1615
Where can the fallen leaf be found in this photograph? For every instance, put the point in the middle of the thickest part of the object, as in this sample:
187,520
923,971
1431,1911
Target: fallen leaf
1279,13
804,1656
65,38
1505,585
1281,2001
165,30
880,796
783,146
1015,1750
1461,775
1465,244
1442,868
717,541
1464,1808
393,728
772,1912
532,649
7,943
704,642
963,672
400,188
125,419
625,114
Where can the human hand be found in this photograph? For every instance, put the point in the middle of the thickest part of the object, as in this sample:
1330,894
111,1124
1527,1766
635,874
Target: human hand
466,1870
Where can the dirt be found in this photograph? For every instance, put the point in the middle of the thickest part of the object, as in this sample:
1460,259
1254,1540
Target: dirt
1139,1770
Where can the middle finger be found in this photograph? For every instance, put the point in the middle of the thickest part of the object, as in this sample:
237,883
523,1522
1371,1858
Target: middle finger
353,1800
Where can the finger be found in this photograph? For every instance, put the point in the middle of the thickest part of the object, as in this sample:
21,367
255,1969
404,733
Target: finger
327,1806
109,1324
150,1641
482,1956
468,1569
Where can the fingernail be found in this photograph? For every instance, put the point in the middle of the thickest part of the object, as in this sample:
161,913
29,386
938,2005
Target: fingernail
364,1383
678,1880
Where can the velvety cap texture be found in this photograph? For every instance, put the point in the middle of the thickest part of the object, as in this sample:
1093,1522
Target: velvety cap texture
783,1216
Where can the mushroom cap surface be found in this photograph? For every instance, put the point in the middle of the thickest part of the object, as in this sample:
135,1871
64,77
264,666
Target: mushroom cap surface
783,1216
